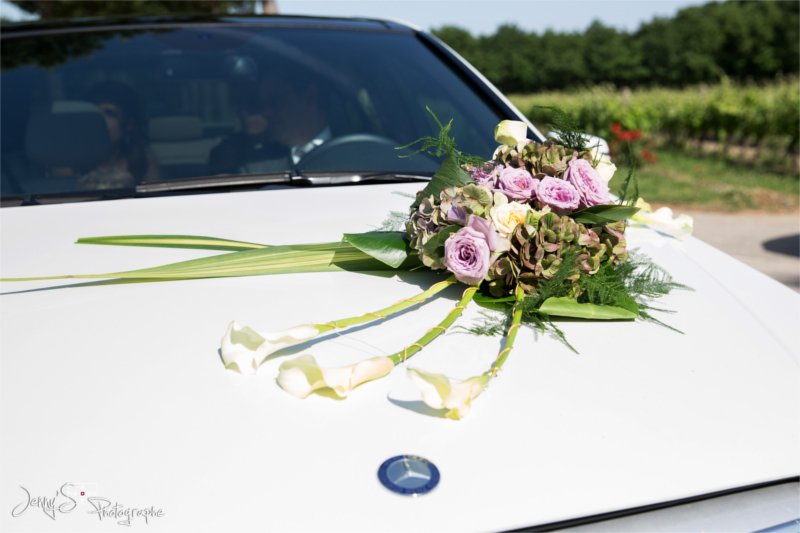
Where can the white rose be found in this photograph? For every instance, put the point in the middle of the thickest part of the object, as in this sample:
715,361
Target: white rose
302,375
505,217
605,168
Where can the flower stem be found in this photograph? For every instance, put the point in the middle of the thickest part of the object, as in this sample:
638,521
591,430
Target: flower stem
436,330
387,311
511,335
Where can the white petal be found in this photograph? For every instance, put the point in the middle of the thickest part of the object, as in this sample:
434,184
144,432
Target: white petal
240,348
344,379
510,132
300,376
662,220
243,349
434,387
292,336
461,397
606,168
440,392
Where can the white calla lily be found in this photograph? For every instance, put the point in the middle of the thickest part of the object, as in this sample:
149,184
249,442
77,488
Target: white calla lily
440,392
662,220
511,132
302,375
243,348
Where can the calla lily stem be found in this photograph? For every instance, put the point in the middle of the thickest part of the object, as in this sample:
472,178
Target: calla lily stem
437,330
387,311
511,336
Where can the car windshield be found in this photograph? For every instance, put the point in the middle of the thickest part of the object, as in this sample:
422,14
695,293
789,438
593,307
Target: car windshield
114,110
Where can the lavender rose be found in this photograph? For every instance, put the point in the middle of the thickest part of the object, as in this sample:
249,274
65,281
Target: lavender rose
495,242
516,183
466,255
592,188
558,194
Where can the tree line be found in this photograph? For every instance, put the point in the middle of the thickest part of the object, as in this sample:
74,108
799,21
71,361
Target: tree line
739,40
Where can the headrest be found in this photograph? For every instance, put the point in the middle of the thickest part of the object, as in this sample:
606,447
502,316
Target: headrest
175,128
67,134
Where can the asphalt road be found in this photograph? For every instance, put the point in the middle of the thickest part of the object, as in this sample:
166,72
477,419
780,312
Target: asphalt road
769,243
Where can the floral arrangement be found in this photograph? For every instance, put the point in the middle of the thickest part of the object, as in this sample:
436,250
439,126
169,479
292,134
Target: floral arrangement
533,233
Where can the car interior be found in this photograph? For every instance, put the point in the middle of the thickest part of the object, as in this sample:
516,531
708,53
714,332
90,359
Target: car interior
174,97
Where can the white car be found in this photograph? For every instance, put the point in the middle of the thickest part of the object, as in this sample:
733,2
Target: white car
116,409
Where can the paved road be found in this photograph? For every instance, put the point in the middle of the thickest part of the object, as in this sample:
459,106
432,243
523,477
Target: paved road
769,243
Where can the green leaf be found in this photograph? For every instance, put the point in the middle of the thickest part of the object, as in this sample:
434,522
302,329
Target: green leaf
601,214
482,298
173,241
496,304
569,307
450,174
388,247
325,257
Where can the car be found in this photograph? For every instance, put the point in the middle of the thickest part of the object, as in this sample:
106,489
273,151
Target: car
116,408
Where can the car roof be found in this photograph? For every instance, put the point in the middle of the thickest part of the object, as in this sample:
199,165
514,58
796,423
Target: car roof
289,21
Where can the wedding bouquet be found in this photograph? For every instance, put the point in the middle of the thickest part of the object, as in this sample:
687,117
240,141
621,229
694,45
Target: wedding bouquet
532,234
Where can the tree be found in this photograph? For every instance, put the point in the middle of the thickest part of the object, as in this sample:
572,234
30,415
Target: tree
611,55
60,9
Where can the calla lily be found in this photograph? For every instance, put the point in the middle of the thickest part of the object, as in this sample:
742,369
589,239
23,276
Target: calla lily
662,220
440,392
243,349
511,132
302,375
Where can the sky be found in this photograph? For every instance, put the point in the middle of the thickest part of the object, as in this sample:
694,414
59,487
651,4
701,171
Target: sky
482,16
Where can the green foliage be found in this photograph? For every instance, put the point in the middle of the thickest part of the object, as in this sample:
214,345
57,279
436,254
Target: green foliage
617,291
388,247
726,113
739,39
629,189
285,259
394,221
173,241
62,9
443,145
566,127
490,324
570,307
451,172
602,214
712,183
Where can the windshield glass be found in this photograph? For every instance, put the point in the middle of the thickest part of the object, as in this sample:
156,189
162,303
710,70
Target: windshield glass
112,110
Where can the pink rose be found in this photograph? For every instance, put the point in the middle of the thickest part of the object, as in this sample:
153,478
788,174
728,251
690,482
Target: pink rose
467,256
592,188
516,183
558,194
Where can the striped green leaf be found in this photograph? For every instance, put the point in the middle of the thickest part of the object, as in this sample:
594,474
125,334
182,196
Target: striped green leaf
173,241
325,257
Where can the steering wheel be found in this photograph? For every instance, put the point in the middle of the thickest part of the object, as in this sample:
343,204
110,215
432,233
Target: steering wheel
355,151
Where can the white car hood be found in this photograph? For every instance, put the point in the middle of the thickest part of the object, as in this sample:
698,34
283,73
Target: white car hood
120,386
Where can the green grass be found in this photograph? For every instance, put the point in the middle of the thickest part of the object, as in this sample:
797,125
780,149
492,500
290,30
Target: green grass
681,180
